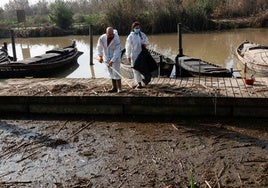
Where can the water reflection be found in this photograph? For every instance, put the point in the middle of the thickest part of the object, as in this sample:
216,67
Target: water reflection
214,47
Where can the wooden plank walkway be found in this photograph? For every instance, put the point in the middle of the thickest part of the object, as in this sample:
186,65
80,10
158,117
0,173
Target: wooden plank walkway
190,86
192,96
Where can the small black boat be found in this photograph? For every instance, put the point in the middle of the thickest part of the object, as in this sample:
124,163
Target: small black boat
189,66
53,61
183,66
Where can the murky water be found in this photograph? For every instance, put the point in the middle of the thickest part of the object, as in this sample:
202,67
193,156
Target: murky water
214,47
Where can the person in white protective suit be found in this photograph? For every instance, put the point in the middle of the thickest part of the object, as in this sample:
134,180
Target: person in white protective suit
109,52
134,43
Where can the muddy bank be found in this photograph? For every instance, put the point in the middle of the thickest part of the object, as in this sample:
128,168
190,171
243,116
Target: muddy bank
96,152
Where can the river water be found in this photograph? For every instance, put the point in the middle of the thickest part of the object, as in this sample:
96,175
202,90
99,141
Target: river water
214,47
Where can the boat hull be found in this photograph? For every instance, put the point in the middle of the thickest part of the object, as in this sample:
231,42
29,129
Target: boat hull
253,57
189,66
3,56
183,66
46,65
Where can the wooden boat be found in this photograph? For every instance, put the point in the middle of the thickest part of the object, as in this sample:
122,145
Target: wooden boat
254,57
3,55
53,61
183,66
190,66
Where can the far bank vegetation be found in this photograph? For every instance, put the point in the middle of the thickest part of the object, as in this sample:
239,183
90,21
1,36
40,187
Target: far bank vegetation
156,16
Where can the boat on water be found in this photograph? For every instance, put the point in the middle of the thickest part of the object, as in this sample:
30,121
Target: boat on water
183,66
49,63
190,66
254,57
3,55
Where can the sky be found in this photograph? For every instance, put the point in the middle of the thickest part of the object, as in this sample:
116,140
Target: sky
3,2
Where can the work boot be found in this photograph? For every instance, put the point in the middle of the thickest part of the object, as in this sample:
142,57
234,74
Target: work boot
119,86
147,80
114,88
139,86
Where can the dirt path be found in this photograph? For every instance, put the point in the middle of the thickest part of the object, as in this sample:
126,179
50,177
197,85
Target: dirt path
112,153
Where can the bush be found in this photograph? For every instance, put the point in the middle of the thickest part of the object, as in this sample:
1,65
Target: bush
197,14
60,14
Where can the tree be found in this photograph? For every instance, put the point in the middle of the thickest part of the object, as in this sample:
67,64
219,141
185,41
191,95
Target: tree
12,6
1,13
60,14
40,8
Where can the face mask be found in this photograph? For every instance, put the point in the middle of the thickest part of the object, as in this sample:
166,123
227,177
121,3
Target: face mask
137,31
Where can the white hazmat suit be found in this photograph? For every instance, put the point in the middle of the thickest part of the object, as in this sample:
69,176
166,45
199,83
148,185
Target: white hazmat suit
111,52
133,49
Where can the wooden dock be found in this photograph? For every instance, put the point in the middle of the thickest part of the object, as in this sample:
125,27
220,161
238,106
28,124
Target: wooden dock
191,96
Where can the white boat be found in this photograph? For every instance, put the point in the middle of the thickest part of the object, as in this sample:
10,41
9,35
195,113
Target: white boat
254,57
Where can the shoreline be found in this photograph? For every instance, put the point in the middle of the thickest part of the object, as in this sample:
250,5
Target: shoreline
217,24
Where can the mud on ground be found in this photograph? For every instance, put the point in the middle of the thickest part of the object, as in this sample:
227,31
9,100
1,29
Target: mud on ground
128,153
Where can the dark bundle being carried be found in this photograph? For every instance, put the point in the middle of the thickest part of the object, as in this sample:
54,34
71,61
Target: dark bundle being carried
145,64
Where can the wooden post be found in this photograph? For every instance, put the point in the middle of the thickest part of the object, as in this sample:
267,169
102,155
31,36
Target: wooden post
159,66
180,54
245,68
5,46
92,71
180,39
199,69
91,44
13,45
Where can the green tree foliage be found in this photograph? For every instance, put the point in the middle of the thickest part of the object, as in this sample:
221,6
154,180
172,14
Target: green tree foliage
126,11
1,13
12,6
198,13
40,8
156,16
60,14
165,15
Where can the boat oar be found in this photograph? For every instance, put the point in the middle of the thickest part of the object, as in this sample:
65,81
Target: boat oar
107,64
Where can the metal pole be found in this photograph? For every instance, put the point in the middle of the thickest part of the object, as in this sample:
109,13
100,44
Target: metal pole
91,44
13,45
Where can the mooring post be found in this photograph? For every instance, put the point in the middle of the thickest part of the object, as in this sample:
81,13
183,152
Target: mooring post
180,39
159,65
199,69
13,45
91,44
245,68
5,46
180,54
92,71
